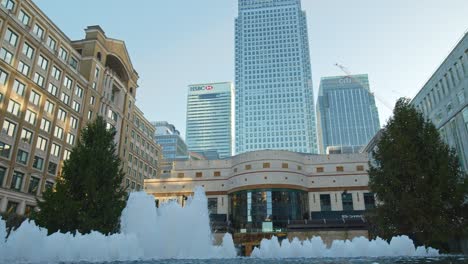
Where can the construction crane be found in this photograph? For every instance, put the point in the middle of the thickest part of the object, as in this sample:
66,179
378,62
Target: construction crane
348,74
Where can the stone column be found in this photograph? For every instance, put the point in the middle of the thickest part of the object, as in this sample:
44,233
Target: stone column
3,204
21,208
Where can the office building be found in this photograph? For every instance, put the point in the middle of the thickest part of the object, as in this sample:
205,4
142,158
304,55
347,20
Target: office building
50,88
172,144
346,113
443,100
274,95
210,118
274,191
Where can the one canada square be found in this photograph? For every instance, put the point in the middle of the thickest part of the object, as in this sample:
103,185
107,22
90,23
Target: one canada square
274,95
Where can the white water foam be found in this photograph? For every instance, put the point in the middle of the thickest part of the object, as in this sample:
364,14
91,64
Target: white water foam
357,247
173,232
146,233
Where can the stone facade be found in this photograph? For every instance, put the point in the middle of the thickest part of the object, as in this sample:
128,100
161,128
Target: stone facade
50,88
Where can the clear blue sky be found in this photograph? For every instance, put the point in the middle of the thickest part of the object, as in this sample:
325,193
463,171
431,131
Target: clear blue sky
173,43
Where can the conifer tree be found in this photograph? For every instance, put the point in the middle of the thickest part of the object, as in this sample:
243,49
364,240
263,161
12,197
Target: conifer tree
421,189
88,195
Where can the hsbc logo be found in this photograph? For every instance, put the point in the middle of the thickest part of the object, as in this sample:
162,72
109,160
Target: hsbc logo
201,88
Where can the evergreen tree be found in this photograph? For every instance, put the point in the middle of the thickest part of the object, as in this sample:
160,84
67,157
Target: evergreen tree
421,189
88,196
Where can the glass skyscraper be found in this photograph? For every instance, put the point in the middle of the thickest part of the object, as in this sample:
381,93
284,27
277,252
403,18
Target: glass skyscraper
274,97
346,112
210,118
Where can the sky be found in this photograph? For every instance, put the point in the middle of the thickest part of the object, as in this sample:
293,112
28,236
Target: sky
172,44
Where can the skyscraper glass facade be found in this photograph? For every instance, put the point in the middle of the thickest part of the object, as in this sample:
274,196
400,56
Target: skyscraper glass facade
274,96
173,146
346,112
210,118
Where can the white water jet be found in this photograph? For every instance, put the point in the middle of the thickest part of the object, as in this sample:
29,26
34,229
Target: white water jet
357,247
173,232
146,233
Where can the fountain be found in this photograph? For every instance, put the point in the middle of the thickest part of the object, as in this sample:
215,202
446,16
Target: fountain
173,232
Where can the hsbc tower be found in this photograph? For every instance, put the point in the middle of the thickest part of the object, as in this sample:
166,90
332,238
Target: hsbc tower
210,118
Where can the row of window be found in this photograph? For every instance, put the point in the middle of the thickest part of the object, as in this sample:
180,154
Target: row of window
447,82
18,179
267,165
346,200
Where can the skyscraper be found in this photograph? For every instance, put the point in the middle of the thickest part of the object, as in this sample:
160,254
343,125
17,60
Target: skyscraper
274,96
346,112
173,146
210,118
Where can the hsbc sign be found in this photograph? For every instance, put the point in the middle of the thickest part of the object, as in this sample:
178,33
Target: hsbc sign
201,88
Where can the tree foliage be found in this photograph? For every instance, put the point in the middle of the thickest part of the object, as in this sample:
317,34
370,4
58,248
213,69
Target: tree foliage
421,189
88,196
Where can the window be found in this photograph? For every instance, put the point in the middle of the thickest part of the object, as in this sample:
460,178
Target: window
5,150
73,122
51,43
56,73
216,173
79,92
3,77
198,174
61,114
347,201
49,185
339,168
38,163
2,175
299,167
248,167
34,98
38,79
284,165
77,106
180,175
325,202
52,168
91,100
45,125
67,82
90,114
319,169
24,17
360,168
33,185
74,63
8,4
66,154
65,98
266,165
11,37
58,132
70,139
26,136
22,157
9,128
28,50
38,30
49,107
55,150
18,87
369,201
6,55
52,89
63,54
30,117
13,108
41,143
17,181
42,62
23,68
